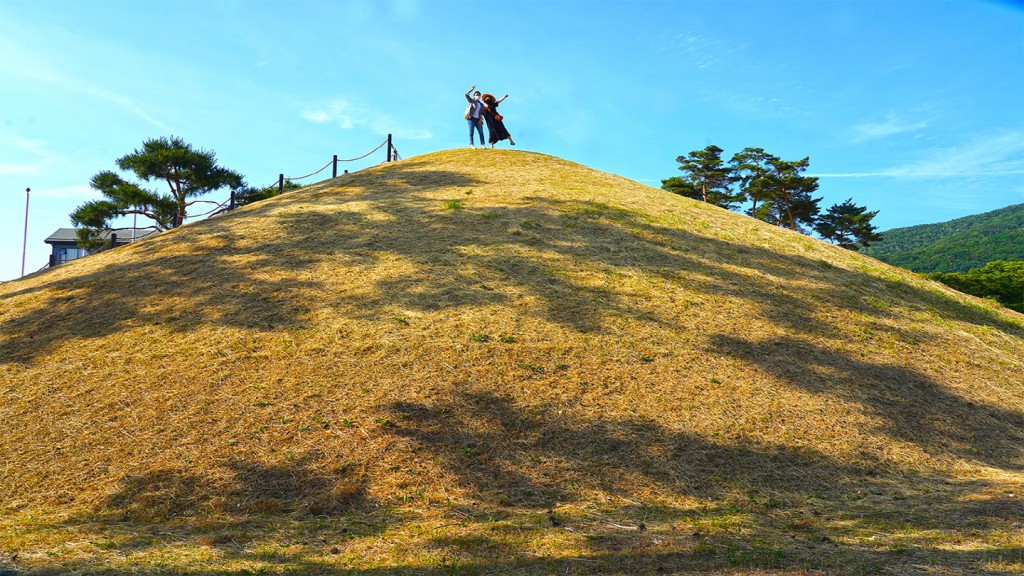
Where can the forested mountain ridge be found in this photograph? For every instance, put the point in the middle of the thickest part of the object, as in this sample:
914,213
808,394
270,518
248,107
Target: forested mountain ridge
957,245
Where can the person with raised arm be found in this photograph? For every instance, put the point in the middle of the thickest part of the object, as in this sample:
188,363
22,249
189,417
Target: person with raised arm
474,115
496,130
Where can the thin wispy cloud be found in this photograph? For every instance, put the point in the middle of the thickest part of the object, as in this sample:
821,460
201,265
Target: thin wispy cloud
28,65
993,155
19,169
80,191
892,125
703,52
119,100
14,146
347,114
32,146
318,117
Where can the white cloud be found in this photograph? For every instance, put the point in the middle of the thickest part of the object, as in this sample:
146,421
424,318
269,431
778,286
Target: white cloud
892,125
81,191
999,154
702,52
348,115
33,66
996,155
19,169
341,112
317,116
32,146
12,145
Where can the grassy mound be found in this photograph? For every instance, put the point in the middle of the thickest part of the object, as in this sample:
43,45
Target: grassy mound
485,361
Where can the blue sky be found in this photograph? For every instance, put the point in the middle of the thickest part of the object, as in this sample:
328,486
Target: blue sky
913,108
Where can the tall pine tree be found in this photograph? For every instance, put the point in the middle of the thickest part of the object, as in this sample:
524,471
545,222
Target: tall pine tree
706,177
187,172
779,191
848,225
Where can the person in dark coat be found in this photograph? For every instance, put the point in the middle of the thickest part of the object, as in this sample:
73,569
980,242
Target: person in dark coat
496,130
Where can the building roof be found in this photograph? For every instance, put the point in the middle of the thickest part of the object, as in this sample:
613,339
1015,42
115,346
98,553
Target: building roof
124,235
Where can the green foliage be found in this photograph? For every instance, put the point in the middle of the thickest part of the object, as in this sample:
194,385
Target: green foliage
677,185
778,191
1002,281
531,367
707,178
187,172
748,166
249,195
957,245
848,225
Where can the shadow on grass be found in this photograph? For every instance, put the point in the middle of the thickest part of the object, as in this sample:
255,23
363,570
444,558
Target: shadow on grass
532,458
758,508
149,291
537,457
911,406
494,255
225,279
297,488
643,559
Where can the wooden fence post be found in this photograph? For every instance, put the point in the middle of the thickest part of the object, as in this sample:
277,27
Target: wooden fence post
113,239
231,202
389,147
280,184
334,172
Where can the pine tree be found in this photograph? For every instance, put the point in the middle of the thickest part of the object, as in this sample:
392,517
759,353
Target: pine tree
677,185
848,225
188,173
709,178
779,193
249,195
750,168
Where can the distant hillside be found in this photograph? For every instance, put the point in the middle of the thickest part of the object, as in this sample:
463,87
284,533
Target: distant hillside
484,362
955,246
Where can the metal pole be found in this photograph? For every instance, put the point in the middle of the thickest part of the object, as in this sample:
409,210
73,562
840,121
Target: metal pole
24,240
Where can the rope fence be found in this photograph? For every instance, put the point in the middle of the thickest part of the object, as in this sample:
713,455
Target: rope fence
368,153
311,173
392,155
231,203
216,209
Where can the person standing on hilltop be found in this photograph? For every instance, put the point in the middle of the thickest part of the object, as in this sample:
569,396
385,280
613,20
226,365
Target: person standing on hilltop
496,130
474,114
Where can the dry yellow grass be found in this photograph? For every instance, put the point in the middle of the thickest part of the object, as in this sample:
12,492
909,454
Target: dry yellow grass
477,362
